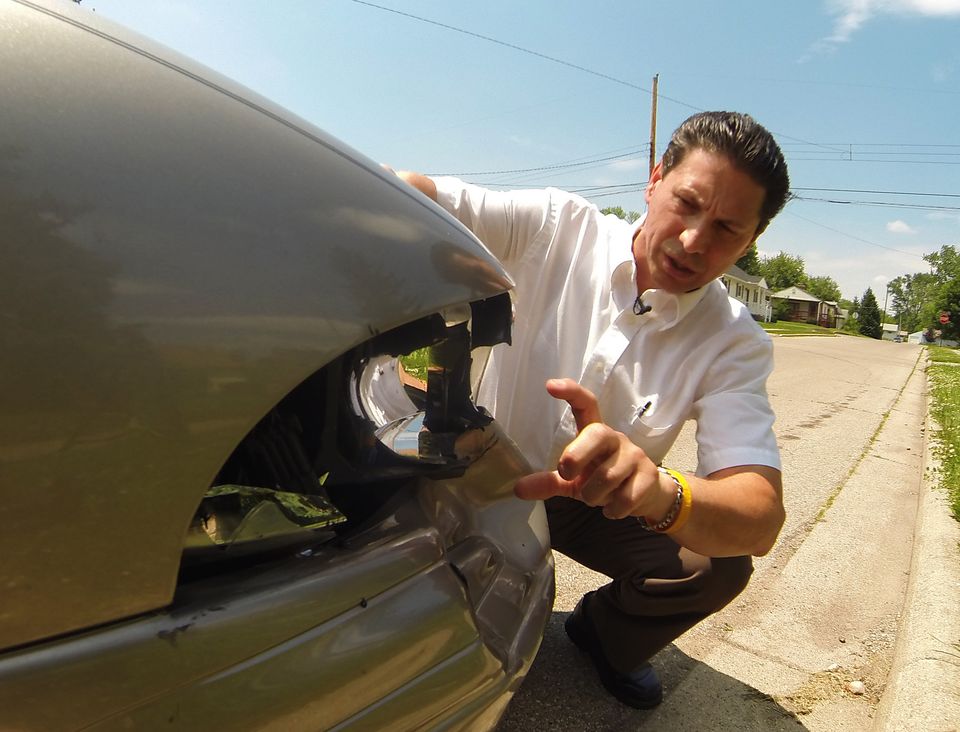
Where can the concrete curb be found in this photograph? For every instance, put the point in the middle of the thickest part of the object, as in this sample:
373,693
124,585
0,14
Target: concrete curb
923,689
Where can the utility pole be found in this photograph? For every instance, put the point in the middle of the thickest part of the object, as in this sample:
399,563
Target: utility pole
653,127
883,320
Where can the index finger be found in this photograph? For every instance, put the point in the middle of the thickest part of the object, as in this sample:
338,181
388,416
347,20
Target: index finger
582,401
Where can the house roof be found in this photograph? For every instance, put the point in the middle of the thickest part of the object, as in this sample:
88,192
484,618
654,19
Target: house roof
734,271
795,293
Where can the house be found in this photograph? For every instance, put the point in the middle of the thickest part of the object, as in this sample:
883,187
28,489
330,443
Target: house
829,314
806,308
843,315
892,333
930,338
751,290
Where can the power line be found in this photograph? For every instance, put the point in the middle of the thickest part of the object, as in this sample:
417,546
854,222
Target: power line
556,60
614,193
636,186
892,144
625,188
546,167
876,160
851,236
515,47
580,189
885,204
820,82
887,193
836,147
588,160
525,178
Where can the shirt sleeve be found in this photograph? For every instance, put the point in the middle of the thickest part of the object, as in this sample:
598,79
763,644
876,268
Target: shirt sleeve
733,413
505,221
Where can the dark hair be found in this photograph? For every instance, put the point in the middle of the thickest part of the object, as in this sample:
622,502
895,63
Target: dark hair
747,143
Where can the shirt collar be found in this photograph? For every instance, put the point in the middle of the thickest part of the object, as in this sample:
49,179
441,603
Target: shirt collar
668,309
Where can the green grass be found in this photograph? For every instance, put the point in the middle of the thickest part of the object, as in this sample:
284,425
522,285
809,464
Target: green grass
939,354
415,363
786,328
945,409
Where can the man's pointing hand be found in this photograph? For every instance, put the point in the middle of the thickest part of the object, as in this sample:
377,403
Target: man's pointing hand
600,467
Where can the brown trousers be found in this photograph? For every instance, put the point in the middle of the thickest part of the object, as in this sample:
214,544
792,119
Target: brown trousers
658,591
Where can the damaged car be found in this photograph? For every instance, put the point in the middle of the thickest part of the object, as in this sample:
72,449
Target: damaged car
230,497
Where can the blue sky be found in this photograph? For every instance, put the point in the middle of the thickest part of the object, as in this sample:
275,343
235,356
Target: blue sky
863,96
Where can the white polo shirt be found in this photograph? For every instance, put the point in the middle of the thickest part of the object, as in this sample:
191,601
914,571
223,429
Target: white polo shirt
695,356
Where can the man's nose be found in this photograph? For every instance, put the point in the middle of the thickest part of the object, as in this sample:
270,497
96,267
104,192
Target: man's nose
694,237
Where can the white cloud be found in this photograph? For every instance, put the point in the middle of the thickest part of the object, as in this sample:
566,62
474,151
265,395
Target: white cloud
852,14
630,165
899,227
855,272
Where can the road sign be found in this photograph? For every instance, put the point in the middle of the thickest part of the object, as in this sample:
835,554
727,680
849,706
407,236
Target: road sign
944,318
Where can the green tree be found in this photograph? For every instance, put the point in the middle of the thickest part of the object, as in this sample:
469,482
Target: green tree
781,310
869,321
750,261
852,323
826,288
912,296
783,270
628,216
948,301
945,263
945,266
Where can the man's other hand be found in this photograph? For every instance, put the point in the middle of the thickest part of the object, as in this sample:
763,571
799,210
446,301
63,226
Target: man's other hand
600,467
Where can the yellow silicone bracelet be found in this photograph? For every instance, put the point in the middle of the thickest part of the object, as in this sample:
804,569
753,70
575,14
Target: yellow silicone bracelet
686,505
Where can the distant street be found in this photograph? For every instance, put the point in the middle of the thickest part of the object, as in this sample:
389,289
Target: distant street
821,611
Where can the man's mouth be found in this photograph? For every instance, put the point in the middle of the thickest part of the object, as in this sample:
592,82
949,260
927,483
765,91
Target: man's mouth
677,268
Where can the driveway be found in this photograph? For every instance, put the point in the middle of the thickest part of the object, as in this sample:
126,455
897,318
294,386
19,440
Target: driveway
822,609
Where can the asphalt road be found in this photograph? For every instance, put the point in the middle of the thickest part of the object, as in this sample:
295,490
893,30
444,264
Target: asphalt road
823,607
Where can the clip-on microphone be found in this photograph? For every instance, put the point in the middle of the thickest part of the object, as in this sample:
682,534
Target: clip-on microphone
639,308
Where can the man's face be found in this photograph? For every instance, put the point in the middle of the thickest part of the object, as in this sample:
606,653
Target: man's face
701,218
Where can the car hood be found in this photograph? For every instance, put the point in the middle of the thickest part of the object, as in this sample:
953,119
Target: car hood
178,255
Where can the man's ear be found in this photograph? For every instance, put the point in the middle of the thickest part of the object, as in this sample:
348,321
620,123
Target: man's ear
655,178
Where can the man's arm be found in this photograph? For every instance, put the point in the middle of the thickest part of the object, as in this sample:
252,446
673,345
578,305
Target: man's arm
507,222
735,511
419,181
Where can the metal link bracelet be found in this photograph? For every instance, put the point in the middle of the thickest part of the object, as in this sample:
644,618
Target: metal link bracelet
680,510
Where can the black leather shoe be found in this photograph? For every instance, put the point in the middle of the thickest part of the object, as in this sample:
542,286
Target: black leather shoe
640,689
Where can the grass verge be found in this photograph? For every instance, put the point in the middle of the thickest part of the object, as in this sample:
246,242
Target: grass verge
786,328
945,409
